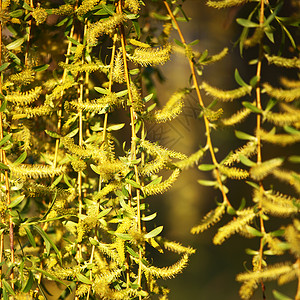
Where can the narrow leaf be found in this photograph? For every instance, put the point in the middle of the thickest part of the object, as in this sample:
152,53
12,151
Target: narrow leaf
15,44
20,159
246,23
29,283
83,279
16,201
239,79
154,232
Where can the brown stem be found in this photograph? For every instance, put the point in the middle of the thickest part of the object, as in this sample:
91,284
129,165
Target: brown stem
133,140
206,121
7,188
258,137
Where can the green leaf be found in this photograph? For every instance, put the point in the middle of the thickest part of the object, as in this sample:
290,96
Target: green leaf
123,236
132,252
95,169
154,232
73,41
251,252
137,28
254,231
243,136
48,241
149,218
132,183
104,212
30,236
49,276
252,107
4,66
26,6
15,44
160,17
20,159
53,134
7,287
246,161
280,296
115,127
179,43
207,182
279,232
16,13
206,167
231,211
29,283
246,23
3,106
41,68
122,93
62,22
5,139
83,279
291,130
195,42
108,9
239,79
16,201
253,184
3,166
294,159
101,90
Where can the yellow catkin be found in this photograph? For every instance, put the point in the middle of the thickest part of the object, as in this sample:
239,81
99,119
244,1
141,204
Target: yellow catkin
25,97
292,237
118,74
35,171
288,83
284,62
215,58
63,10
282,119
245,217
151,56
281,94
247,289
154,166
209,219
247,150
269,273
178,248
162,186
191,160
274,244
170,111
132,5
226,95
78,52
168,272
105,26
40,15
279,139
24,77
288,176
261,170
276,204
31,112
255,38
86,6
225,3
157,150
236,118
234,173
